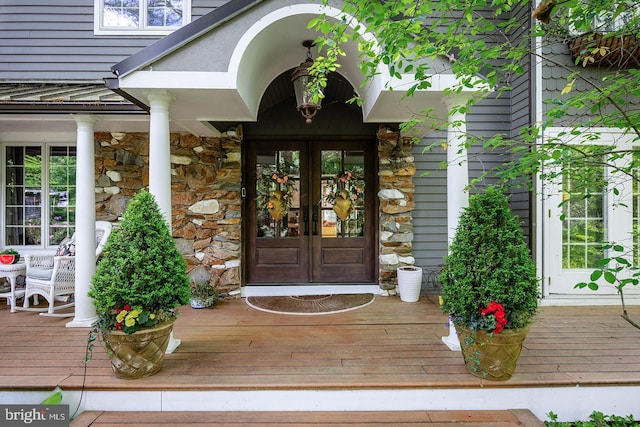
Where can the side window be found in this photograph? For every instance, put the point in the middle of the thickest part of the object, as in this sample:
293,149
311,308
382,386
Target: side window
62,193
40,196
140,16
23,196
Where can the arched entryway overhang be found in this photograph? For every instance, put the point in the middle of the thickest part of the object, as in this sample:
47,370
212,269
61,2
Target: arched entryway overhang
217,69
220,75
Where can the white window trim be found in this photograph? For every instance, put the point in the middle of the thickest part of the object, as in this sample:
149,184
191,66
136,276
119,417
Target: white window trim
99,31
603,24
619,222
44,215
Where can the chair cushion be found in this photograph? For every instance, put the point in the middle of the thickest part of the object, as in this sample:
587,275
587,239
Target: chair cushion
67,247
40,273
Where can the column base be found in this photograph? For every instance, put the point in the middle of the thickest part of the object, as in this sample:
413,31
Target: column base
453,344
82,323
173,344
452,340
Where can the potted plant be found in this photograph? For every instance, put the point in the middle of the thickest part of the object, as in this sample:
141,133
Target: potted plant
140,282
9,256
489,285
203,294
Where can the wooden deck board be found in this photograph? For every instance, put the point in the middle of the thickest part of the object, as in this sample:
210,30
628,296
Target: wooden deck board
355,418
388,344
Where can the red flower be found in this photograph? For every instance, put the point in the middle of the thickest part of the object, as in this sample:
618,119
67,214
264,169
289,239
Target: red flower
497,310
119,326
127,307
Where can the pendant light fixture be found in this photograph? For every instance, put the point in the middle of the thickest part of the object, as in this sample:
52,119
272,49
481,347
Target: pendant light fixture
300,78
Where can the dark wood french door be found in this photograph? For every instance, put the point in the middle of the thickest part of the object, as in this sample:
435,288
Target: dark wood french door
310,212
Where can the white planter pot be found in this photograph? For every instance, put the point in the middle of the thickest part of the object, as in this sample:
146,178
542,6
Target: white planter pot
409,283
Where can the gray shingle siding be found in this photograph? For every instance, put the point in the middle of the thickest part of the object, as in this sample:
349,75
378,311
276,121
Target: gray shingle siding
54,40
554,78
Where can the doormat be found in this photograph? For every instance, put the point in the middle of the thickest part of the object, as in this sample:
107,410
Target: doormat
310,304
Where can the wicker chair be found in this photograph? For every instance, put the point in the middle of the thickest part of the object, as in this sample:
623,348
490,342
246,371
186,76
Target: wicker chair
54,277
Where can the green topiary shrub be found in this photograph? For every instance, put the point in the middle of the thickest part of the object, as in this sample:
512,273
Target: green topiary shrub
489,279
141,278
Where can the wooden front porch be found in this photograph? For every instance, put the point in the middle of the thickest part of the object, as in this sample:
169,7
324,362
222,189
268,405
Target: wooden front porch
234,358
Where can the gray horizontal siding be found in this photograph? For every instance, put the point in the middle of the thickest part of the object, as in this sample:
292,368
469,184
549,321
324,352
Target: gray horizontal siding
430,213
521,117
53,40
489,117
505,115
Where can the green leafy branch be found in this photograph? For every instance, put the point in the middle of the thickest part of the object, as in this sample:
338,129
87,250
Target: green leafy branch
616,270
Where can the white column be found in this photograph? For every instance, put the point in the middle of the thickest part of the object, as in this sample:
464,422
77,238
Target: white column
457,182
160,152
160,164
457,166
85,311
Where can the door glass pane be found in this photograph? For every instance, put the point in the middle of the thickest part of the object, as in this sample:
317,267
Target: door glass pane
278,194
342,189
583,230
23,192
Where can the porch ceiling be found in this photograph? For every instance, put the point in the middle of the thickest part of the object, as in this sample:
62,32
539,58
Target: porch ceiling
45,110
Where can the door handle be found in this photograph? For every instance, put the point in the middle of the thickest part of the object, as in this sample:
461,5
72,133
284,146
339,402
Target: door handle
315,220
305,219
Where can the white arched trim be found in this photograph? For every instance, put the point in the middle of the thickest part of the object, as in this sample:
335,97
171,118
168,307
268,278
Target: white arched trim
270,46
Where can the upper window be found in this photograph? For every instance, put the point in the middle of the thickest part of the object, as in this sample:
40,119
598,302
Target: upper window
141,16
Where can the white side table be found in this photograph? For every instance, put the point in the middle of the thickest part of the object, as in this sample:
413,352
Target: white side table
11,272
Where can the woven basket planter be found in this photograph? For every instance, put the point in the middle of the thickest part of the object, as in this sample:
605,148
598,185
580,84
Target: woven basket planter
619,51
491,356
139,354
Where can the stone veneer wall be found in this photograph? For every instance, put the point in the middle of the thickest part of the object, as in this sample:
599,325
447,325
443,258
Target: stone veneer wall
206,202
396,195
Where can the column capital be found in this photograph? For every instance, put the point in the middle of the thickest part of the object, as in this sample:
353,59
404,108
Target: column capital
85,118
455,99
159,98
